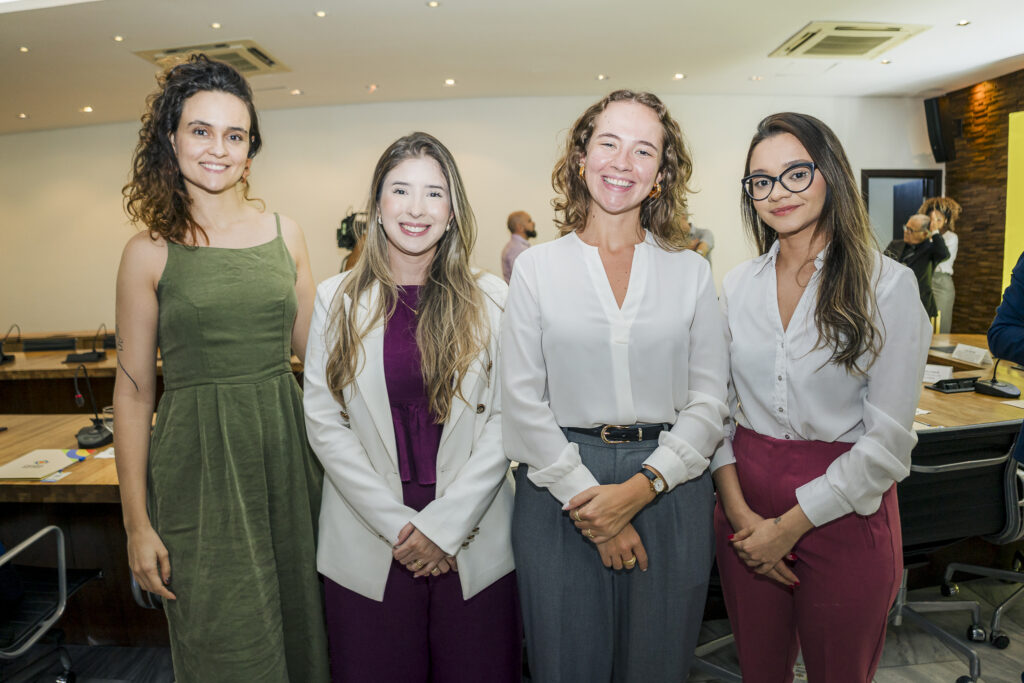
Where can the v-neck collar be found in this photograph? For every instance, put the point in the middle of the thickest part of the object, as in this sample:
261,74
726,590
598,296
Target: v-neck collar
603,288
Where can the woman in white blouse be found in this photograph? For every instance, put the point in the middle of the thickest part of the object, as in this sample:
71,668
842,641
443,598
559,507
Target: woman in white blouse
827,346
944,211
614,390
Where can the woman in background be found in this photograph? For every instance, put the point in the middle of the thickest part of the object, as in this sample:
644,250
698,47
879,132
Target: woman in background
402,407
943,213
827,344
614,397
220,506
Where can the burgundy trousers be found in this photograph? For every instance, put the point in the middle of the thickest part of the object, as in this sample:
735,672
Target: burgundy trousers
849,572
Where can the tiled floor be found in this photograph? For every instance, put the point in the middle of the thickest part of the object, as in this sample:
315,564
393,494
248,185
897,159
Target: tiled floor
910,655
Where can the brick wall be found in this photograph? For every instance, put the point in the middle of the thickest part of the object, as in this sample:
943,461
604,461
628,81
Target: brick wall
977,179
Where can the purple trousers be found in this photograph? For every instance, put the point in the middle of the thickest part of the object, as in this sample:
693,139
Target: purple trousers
849,572
424,631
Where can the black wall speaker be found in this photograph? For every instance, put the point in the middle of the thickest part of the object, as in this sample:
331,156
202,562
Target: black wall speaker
940,128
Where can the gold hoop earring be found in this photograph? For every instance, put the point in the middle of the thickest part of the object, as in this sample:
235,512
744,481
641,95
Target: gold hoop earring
379,221
581,169
247,171
655,192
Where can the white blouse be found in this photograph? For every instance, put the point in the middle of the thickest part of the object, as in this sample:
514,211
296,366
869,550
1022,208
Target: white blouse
572,358
784,388
952,242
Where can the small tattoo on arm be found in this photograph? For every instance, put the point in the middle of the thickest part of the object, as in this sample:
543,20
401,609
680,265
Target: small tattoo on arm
120,348
778,520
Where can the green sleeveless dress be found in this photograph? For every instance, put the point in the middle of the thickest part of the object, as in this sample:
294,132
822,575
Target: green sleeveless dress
234,489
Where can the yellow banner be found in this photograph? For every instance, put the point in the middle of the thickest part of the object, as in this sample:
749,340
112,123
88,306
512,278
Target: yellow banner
1013,243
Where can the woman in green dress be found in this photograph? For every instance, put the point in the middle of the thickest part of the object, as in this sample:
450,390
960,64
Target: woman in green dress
221,502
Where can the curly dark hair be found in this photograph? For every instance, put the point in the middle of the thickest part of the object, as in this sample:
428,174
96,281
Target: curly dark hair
660,215
156,195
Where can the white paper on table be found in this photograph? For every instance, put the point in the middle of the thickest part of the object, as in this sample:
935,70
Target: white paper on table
106,453
922,411
56,476
918,426
933,373
972,354
1015,404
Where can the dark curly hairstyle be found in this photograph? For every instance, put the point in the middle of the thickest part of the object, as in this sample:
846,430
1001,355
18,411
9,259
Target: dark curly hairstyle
156,195
660,215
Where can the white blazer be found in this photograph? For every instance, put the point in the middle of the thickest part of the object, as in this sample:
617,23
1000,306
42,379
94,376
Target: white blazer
362,510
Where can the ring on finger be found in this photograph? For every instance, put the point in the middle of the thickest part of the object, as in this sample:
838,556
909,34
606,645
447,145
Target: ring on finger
628,564
589,533
576,515
418,564
435,571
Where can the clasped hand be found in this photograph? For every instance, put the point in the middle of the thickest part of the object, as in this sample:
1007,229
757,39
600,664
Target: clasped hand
762,544
601,512
420,555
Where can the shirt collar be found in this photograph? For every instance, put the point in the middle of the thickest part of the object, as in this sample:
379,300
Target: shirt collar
520,239
770,256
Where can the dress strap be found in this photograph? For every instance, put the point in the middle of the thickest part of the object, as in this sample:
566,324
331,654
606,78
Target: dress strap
277,219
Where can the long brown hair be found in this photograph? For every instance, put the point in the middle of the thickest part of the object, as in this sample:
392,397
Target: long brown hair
843,313
155,195
660,215
452,327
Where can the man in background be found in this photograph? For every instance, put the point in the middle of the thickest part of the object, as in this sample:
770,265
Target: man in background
921,249
522,228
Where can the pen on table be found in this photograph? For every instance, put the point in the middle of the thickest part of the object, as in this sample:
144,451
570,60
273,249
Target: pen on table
3,429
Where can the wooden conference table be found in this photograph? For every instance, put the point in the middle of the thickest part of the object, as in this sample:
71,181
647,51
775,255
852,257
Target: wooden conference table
86,502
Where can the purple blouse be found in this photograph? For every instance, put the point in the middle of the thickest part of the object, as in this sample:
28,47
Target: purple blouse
417,435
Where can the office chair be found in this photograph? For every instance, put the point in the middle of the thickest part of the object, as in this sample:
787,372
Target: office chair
957,489
44,594
1013,531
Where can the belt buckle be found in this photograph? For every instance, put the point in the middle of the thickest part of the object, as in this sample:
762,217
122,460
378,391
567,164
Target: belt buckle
604,435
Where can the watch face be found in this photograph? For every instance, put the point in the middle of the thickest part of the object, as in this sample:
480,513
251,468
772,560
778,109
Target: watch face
659,485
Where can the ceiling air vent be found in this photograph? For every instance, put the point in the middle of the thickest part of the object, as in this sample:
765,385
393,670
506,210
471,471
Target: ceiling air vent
245,55
845,40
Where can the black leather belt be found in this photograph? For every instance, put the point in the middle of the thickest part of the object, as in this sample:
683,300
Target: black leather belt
623,433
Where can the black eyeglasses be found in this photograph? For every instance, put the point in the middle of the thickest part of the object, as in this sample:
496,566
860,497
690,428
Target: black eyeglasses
796,178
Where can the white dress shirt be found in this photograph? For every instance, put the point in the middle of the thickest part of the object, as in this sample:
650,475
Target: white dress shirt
573,358
784,388
952,242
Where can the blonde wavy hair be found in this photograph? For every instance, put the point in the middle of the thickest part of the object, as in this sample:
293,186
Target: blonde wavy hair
843,313
660,215
452,328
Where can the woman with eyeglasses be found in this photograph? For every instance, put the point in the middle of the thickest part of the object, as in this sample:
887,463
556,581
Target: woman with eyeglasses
614,398
827,341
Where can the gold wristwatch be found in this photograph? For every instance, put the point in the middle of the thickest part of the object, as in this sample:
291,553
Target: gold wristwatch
658,484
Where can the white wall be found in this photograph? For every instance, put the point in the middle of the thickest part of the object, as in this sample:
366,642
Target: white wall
63,226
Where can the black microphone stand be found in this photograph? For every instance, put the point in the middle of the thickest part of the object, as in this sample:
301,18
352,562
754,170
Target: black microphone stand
98,434
8,357
90,356
993,387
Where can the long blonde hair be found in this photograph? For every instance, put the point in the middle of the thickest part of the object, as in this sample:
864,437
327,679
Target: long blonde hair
660,215
843,313
452,327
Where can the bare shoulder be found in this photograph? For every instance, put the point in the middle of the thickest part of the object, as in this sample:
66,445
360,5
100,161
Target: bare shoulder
144,256
293,237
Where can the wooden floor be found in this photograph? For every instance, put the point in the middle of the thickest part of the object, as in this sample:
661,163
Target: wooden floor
910,655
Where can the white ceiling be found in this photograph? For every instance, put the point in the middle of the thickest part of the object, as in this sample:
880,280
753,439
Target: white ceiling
492,49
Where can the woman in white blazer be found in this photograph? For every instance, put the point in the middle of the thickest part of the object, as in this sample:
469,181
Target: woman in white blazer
414,540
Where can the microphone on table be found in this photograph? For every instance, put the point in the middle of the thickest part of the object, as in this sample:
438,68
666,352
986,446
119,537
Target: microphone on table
98,434
994,387
7,357
90,356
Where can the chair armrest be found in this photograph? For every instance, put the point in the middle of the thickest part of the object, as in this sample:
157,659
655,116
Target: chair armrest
62,586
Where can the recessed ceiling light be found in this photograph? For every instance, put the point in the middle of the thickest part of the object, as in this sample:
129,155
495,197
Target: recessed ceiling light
679,77
215,24
320,13
757,78
22,115
118,39
86,109
886,61
449,82
22,49
963,22
433,3
296,91
371,88
602,77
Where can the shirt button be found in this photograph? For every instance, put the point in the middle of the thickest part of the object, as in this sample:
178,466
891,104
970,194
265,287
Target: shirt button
787,436
780,378
780,409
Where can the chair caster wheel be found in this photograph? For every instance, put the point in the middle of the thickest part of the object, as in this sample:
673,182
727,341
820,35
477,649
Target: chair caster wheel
950,589
999,639
965,679
975,633
68,677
